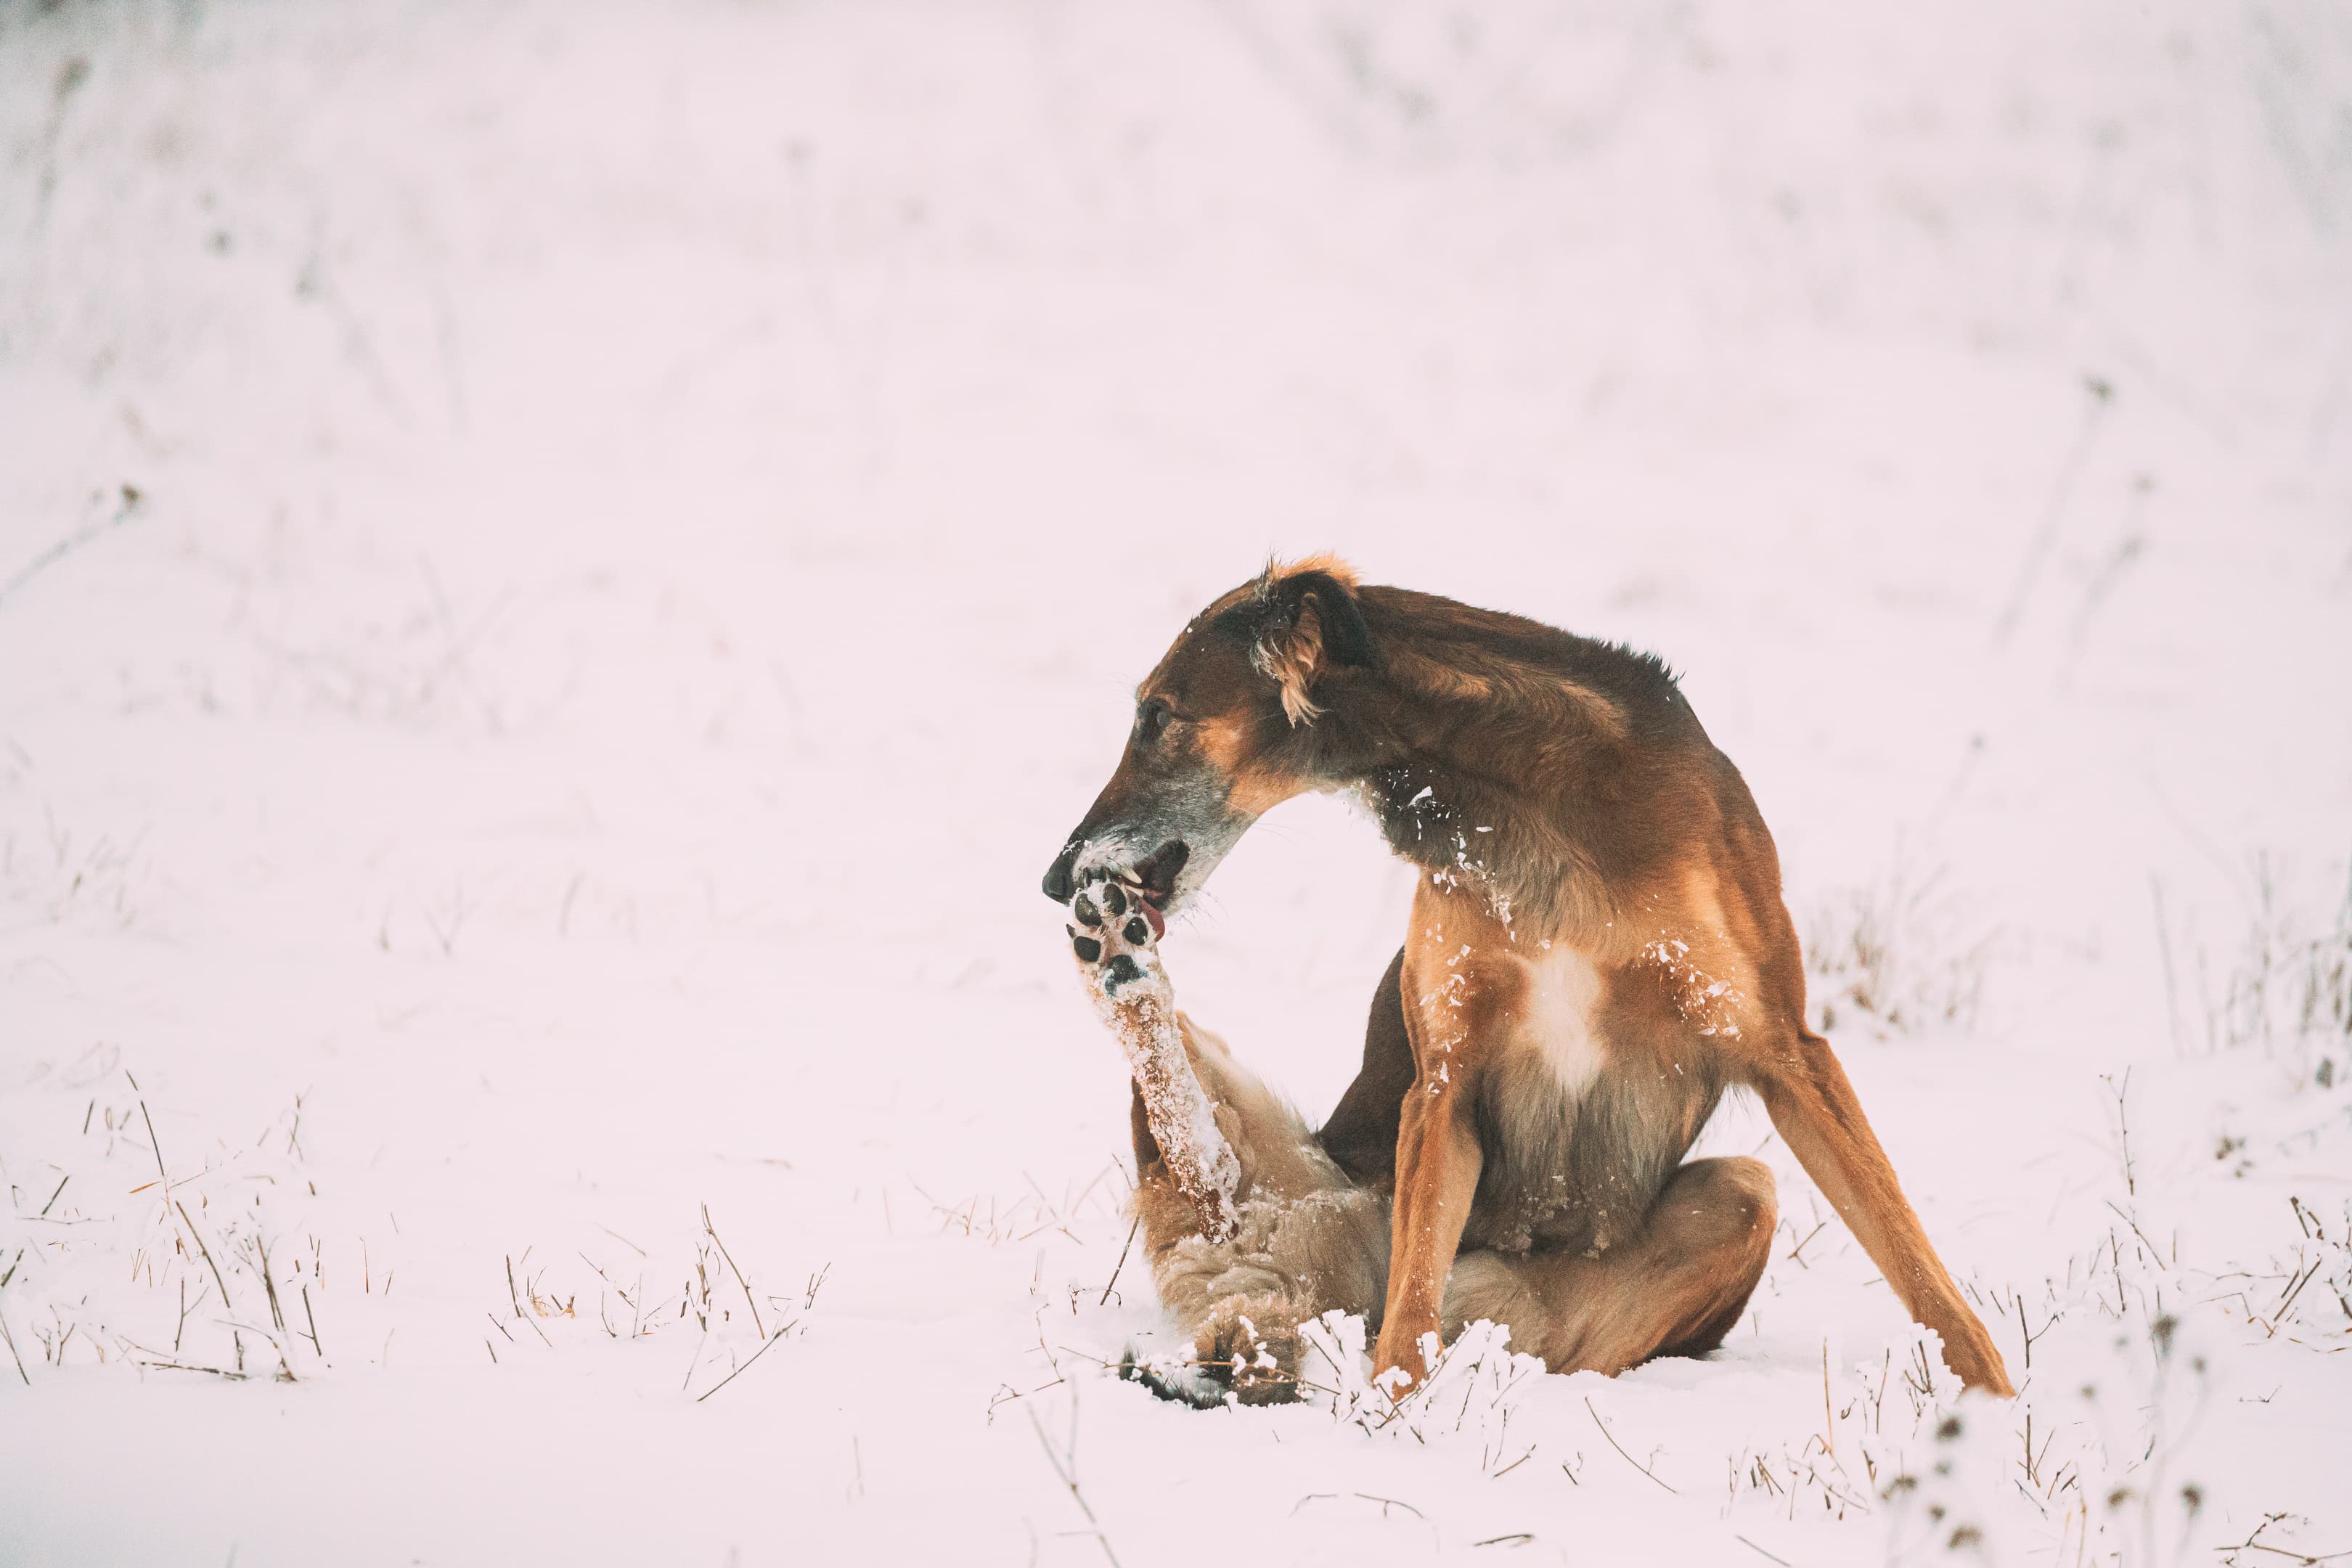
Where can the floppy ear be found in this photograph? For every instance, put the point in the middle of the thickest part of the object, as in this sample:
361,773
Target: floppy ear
1311,623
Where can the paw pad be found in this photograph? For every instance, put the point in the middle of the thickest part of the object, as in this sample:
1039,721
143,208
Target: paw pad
1113,934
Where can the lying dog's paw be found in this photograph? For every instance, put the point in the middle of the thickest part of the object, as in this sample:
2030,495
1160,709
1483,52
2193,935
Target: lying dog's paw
1117,932
1179,1383
1250,1345
1244,1353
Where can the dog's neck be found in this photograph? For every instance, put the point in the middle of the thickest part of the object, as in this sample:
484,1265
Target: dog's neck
1441,749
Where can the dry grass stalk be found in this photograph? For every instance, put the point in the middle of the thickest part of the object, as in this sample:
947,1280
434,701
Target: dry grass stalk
740,1280
1070,1477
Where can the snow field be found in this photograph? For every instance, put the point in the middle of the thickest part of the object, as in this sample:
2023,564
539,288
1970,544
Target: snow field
537,675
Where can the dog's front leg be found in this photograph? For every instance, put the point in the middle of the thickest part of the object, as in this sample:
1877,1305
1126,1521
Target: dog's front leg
1438,1159
1459,981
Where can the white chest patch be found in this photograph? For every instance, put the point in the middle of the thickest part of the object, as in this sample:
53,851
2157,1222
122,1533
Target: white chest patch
1564,993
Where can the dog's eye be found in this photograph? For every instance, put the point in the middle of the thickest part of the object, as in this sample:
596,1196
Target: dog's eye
1151,722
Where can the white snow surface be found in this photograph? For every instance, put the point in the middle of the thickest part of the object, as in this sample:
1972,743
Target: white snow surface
646,520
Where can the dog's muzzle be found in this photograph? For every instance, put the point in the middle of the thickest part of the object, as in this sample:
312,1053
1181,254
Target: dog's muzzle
1154,876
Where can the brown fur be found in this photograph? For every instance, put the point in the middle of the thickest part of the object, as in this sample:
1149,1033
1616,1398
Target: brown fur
1598,947
1313,1240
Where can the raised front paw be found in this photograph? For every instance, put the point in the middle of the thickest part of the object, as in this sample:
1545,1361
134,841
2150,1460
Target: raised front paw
1117,932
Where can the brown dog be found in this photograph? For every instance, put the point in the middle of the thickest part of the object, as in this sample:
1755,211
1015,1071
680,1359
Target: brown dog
1597,950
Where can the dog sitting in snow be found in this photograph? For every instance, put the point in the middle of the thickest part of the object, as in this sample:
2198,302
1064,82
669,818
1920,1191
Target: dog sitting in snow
1597,950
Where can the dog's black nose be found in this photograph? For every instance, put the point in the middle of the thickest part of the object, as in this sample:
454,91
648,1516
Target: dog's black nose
1059,884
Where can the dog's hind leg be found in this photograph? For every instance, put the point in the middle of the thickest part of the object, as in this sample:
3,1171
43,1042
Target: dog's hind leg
1676,1289
1309,1241
1361,1134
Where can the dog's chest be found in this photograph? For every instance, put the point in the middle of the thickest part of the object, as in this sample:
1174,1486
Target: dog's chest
1579,1129
1558,1025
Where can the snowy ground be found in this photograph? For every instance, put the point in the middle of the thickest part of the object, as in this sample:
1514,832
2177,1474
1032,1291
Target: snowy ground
562,574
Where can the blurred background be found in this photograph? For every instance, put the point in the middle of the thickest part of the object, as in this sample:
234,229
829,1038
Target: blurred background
794,402
564,568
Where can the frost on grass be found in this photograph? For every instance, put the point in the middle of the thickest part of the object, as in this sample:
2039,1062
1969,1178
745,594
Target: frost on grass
127,1244
2092,1461
2282,987
695,1290
1896,955
52,873
124,1247
2122,1363
2272,993
1468,1391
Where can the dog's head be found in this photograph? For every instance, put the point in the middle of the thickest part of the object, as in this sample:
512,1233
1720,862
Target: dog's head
1221,732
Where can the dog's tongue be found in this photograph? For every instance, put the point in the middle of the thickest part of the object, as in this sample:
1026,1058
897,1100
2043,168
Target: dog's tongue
1152,918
